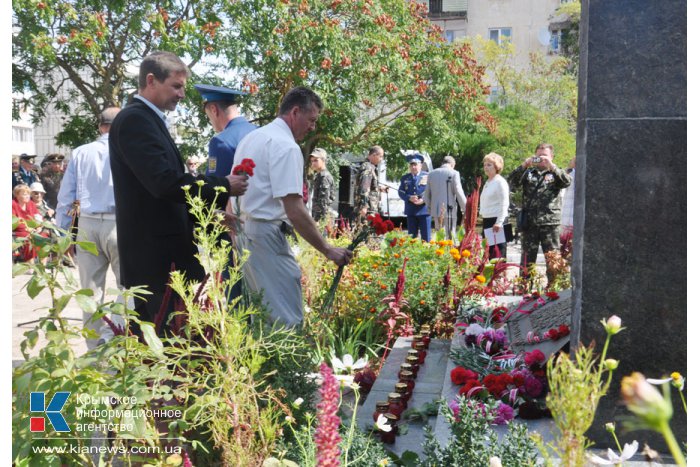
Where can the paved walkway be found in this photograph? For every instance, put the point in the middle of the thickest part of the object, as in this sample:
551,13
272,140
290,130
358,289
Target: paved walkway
26,310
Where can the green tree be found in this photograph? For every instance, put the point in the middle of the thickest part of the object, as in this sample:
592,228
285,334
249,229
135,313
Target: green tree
535,104
94,44
383,70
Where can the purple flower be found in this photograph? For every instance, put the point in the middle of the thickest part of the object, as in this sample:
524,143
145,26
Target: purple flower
533,386
454,406
504,414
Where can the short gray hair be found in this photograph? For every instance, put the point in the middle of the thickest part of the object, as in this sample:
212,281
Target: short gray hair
302,97
449,160
161,64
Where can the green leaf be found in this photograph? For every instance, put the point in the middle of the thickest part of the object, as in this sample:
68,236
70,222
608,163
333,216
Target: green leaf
64,243
35,286
87,304
88,246
153,341
61,302
20,268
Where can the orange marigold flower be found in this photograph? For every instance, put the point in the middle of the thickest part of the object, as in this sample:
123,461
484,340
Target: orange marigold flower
466,253
303,74
439,252
326,63
480,278
365,275
366,297
396,255
422,287
372,310
454,251
383,286
422,302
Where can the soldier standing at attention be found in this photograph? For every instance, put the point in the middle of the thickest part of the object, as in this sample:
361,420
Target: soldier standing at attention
323,188
367,195
51,176
541,181
411,188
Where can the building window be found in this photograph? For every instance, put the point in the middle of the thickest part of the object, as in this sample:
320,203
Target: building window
555,42
22,135
500,35
449,36
496,96
435,6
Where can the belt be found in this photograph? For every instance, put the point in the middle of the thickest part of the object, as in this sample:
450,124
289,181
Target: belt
99,215
284,226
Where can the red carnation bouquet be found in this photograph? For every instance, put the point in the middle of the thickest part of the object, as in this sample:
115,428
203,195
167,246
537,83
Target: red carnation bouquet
244,168
375,225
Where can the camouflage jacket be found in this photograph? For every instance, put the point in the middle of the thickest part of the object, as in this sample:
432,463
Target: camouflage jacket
52,183
541,189
323,195
367,189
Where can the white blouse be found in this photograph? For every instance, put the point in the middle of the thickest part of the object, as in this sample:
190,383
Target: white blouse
494,199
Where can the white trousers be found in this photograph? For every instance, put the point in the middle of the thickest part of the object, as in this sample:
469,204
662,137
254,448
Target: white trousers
93,268
272,269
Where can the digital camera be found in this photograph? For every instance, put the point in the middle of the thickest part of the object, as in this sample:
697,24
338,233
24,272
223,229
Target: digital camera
536,159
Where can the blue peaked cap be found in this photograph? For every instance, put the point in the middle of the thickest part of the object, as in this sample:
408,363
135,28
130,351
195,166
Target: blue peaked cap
415,158
219,93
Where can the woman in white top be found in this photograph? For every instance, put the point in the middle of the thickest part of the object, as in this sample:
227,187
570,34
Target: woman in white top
494,200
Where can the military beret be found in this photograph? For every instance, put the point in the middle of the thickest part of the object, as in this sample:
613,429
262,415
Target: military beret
219,93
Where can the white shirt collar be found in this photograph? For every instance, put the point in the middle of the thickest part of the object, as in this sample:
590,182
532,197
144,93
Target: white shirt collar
158,112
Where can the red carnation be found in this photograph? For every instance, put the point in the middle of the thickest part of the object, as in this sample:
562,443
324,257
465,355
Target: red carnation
564,330
461,375
552,334
552,295
534,358
466,390
245,167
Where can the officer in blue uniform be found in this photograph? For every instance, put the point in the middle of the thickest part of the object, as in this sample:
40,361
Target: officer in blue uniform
221,107
411,188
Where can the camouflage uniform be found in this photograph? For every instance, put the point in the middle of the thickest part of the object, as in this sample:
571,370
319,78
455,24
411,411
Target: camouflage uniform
52,182
367,194
542,204
323,195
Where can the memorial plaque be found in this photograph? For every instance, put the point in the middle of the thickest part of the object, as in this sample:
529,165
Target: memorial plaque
541,319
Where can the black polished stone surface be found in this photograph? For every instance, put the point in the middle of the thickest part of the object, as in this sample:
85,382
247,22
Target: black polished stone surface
630,236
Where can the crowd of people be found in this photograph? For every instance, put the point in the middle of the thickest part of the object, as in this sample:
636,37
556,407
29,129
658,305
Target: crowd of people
124,193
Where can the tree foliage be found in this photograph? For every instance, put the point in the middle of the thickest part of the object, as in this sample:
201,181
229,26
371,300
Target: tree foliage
383,70
96,46
535,104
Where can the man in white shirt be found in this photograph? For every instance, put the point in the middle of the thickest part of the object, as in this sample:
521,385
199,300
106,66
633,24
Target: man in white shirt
88,180
274,201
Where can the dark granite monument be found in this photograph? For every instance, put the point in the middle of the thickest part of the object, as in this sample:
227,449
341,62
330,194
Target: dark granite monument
630,213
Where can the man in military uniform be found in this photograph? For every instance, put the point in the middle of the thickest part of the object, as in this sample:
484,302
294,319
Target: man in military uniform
323,187
221,106
367,197
51,176
541,182
411,188
25,174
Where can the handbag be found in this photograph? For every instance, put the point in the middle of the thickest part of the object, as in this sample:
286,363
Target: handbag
508,231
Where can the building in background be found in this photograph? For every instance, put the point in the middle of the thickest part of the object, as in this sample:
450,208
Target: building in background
22,131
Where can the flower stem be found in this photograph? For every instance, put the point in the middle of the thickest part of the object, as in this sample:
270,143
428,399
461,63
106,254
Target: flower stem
673,446
685,407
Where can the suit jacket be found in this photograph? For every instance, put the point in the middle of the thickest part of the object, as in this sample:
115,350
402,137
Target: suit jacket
154,228
441,183
222,147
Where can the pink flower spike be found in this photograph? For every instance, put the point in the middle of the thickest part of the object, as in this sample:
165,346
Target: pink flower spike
327,437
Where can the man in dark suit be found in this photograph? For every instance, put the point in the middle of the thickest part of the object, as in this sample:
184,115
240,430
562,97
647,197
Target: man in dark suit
154,229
